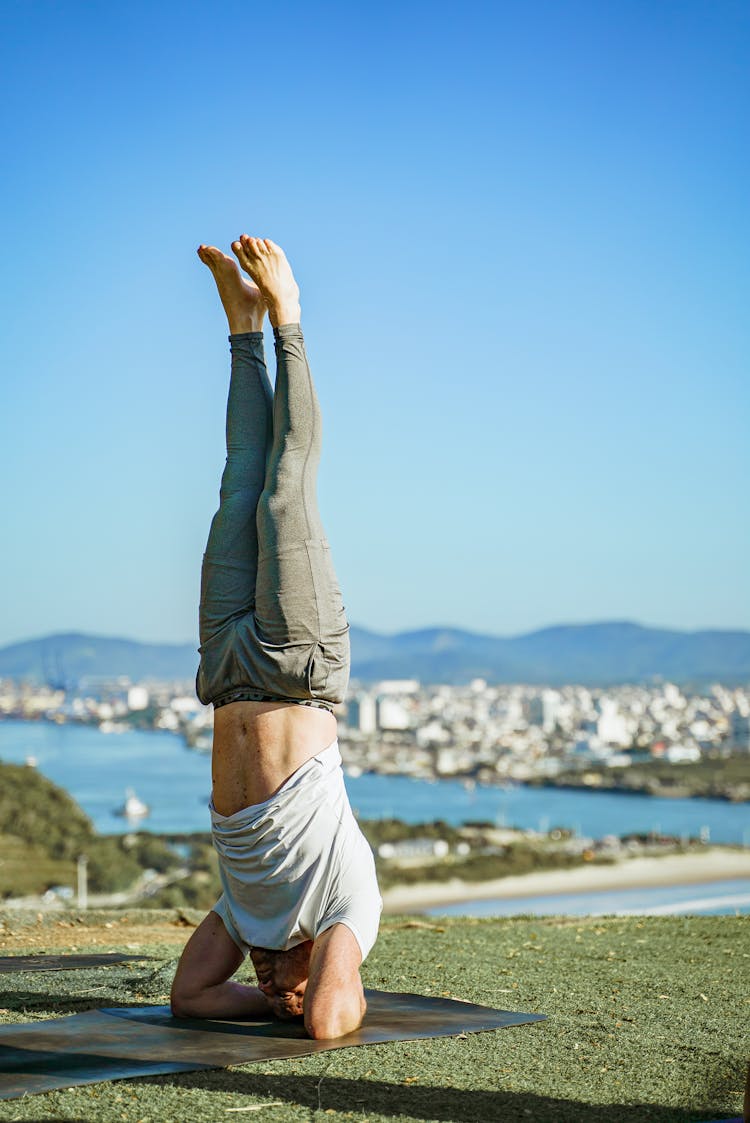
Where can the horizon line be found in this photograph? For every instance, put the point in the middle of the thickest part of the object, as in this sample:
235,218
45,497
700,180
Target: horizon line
404,632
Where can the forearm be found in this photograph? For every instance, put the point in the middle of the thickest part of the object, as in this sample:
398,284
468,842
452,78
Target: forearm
227,1000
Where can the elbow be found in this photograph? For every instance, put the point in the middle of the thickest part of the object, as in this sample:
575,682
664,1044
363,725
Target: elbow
326,1029
178,1009
326,1025
182,1005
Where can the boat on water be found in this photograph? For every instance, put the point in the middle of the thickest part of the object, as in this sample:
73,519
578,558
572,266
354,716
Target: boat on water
133,808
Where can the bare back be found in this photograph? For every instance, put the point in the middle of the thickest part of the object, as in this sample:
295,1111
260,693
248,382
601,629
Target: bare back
258,745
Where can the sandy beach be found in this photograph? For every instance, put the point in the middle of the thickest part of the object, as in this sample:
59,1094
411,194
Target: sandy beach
714,864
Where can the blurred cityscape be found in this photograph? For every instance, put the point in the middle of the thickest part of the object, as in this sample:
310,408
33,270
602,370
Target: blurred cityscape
480,733
661,739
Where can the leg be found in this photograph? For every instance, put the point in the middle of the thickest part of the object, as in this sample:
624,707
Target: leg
289,526
202,986
298,601
231,558
230,562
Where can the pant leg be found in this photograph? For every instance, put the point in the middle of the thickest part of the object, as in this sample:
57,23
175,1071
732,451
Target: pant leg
298,603
230,563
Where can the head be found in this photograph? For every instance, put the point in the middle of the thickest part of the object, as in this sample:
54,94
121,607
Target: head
282,977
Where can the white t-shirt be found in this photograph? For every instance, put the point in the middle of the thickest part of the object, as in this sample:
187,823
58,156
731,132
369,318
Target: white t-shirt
297,864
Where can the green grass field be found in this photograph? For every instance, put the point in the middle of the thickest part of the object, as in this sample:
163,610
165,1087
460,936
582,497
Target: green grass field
647,1021
27,869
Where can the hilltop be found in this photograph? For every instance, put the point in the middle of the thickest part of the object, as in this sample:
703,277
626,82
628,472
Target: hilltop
645,1020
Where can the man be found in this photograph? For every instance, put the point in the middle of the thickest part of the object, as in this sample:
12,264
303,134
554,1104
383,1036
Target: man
300,891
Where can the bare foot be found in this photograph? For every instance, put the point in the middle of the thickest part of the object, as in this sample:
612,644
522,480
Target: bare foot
242,300
266,263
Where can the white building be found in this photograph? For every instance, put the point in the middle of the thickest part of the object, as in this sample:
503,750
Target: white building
362,713
612,727
398,686
138,698
393,714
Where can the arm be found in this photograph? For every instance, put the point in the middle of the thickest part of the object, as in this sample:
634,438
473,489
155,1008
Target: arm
334,1002
203,987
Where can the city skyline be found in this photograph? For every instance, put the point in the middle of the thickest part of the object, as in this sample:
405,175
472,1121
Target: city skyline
520,234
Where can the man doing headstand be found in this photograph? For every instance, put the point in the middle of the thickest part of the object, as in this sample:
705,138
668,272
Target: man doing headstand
299,887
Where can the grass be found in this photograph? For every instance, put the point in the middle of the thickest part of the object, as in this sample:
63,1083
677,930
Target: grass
26,868
647,1021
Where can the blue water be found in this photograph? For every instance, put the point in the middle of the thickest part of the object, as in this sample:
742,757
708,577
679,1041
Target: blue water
96,768
716,898
591,814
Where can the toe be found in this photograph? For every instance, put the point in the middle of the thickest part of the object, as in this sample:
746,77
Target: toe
243,255
253,245
204,253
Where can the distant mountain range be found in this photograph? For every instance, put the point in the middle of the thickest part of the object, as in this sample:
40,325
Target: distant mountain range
590,654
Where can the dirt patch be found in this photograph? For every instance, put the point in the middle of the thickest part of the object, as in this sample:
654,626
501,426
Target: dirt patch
23,932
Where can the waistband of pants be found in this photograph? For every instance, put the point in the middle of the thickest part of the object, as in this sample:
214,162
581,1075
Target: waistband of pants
250,694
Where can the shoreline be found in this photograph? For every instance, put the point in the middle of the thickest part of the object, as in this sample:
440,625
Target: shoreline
621,789
715,864
532,783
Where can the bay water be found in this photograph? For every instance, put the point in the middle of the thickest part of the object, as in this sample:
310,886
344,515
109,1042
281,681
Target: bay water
97,768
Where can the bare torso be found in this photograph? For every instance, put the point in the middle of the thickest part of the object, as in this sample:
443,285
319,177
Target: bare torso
258,745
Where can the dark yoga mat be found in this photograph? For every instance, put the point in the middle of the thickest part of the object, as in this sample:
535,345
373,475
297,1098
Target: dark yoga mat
116,1043
10,964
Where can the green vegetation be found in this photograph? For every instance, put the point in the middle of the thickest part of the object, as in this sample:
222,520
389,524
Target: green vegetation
26,869
713,777
378,831
111,868
647,1019
519,858
43,831
36,810
487,857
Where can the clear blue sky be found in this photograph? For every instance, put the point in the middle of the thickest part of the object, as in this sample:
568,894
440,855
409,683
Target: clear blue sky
521,232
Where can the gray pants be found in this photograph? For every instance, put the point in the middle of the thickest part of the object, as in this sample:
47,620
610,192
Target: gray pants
272,621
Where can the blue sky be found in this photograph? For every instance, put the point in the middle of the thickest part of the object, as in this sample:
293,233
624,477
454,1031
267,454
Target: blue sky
521,232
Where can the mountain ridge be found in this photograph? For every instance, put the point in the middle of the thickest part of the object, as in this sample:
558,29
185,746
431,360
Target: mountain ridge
597,654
